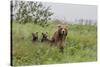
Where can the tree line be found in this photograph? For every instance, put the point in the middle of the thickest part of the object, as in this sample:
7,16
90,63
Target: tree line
30,12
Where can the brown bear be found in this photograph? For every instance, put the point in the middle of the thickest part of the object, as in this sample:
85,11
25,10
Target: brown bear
44,37
35,36
59,37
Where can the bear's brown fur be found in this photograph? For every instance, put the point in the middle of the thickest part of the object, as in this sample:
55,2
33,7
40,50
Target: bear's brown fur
34,36
59,37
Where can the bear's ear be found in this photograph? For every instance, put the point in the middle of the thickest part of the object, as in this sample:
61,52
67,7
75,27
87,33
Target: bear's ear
42,33
65,26
36,32
32,33
59,25
46,32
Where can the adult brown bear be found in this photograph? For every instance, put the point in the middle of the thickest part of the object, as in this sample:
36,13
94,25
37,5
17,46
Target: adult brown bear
59,37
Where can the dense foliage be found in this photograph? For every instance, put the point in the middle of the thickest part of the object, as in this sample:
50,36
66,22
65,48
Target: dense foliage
28,11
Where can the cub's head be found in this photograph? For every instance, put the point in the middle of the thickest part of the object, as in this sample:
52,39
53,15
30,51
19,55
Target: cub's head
35,34
44,35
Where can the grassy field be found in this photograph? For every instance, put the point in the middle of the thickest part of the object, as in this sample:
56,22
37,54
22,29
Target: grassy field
81,45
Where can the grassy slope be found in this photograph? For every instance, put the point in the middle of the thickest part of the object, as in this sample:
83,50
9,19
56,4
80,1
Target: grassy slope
80,45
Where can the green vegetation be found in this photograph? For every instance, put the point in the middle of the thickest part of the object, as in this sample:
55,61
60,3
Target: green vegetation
29,11
81,45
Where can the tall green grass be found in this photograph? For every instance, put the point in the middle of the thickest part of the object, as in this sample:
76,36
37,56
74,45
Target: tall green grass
80,46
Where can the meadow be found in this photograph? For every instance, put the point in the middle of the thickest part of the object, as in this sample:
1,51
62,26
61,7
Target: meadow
81,45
